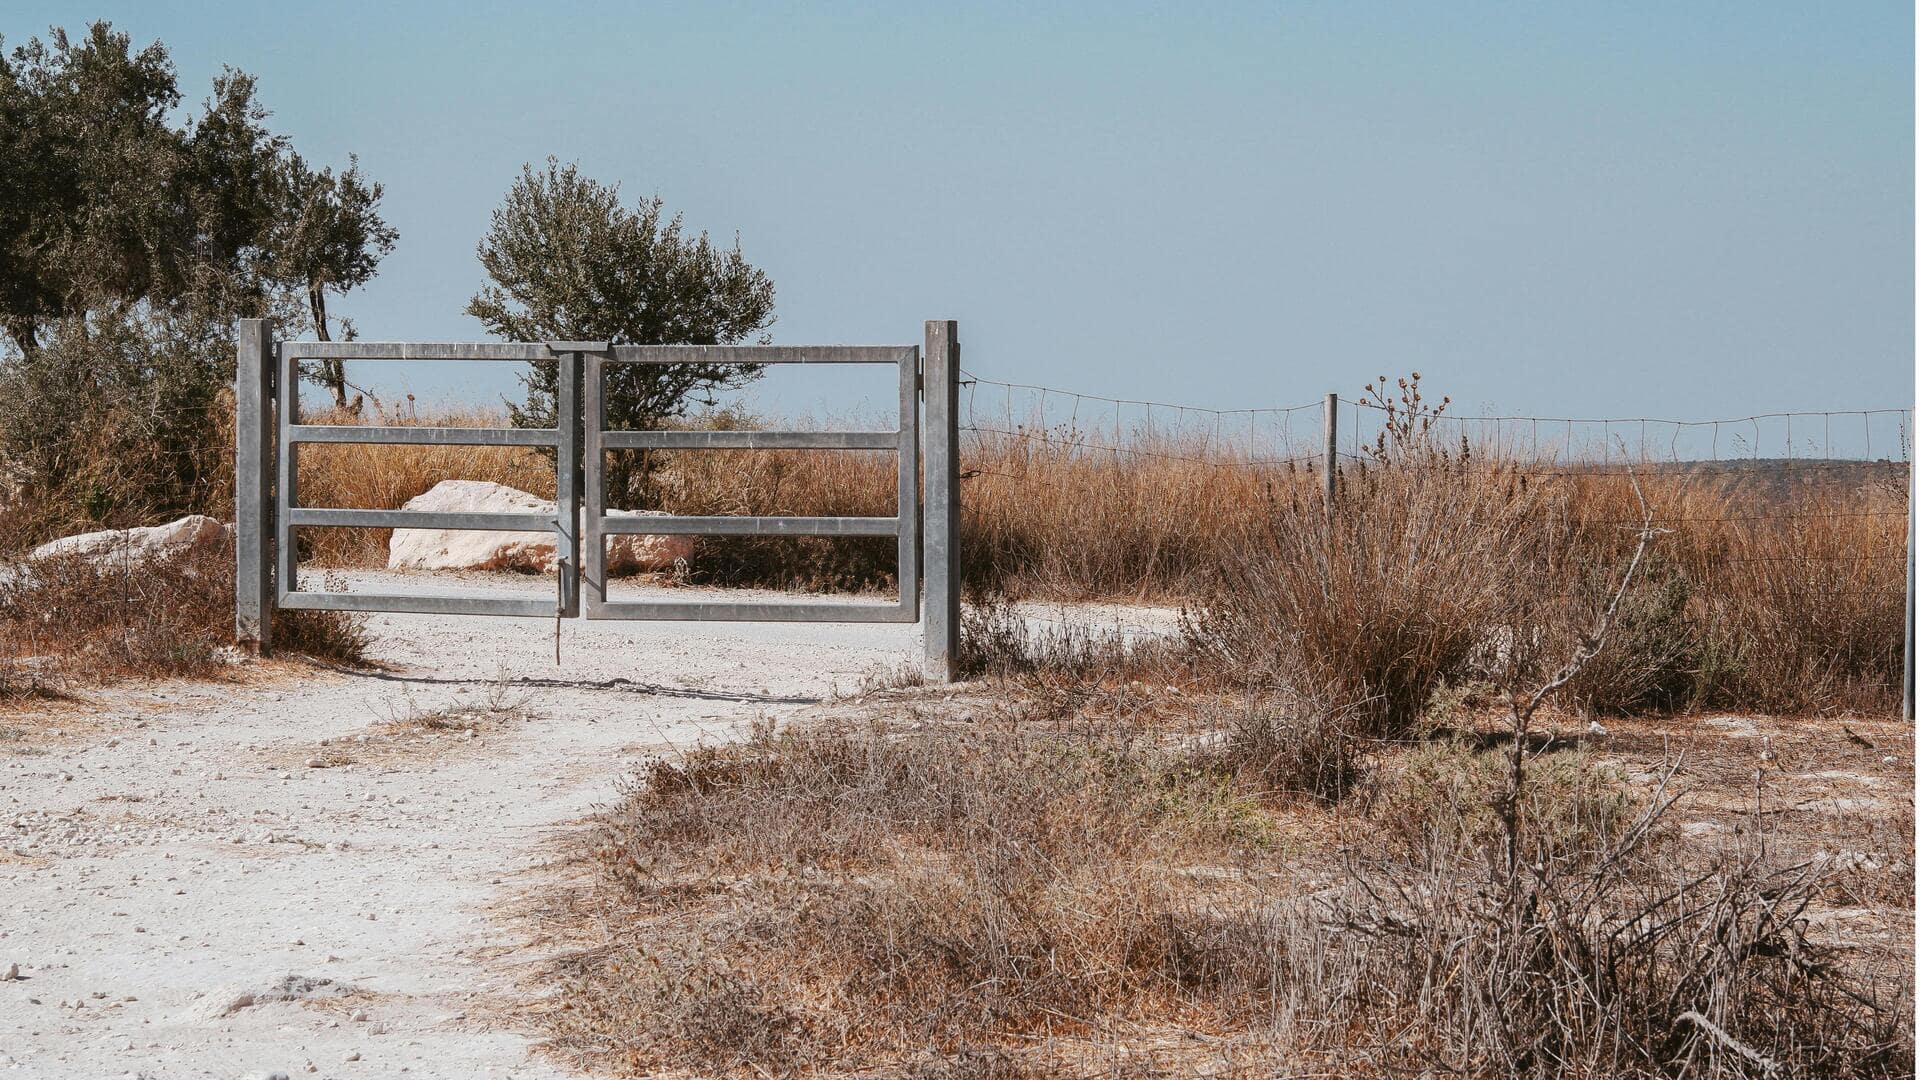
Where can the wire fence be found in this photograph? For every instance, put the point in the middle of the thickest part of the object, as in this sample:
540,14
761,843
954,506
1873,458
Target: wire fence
1298,434
1774,450
1783,536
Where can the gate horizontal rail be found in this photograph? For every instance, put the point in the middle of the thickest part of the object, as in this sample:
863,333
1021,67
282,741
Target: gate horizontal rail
750,440
741,525
334,517
428,436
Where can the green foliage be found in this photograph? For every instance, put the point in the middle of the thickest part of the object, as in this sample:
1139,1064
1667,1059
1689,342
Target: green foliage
108,202
329,237
1653,656
129,245
119,422
569,262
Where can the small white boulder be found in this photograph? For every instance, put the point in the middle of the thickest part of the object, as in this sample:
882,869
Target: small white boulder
192,534
466,549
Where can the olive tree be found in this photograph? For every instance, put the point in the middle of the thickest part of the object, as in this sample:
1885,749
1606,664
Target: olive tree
130,242
568,261
329,237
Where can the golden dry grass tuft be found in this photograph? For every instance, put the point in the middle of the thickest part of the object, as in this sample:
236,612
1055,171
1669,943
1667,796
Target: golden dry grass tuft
75,621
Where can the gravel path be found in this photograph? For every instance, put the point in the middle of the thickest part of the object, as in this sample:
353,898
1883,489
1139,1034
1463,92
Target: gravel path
296,875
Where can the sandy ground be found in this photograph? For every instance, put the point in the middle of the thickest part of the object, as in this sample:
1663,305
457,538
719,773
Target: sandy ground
289,875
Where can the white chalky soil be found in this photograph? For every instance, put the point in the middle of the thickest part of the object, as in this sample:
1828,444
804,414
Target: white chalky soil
184,896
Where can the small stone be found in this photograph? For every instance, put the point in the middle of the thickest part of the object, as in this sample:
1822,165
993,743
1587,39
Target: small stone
351,1055
359,1017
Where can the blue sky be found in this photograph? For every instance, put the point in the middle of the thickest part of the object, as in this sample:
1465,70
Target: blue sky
1702,209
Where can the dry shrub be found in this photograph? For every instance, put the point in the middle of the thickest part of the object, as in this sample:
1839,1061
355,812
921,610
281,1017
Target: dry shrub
1374,607
1435,570
1611,957
74,619
1765,591
1296,745
1021,899
869,898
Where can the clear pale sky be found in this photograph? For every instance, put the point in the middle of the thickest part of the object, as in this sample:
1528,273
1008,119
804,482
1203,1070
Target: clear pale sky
1700,209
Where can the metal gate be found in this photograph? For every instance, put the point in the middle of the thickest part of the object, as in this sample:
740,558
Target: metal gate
268,507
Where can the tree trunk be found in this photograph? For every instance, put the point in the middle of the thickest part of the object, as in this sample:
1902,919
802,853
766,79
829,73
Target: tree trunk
333,373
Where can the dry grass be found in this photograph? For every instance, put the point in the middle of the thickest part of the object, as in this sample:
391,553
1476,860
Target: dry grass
70,621
1770,588
1027,893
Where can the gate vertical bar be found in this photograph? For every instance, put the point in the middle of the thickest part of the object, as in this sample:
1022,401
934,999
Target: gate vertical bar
942,616
253,468
286,495
1330,453
566,482
907,502
593,461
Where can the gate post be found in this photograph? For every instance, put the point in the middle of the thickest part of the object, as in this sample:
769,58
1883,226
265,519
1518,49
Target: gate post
566,482
254,465
942,610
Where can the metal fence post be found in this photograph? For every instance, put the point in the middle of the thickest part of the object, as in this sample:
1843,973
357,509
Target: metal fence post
941,383
1329,456
253,468
593,482
567,466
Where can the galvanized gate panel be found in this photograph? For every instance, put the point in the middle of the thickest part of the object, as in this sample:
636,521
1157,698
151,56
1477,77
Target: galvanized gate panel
268,436
290,515
904,526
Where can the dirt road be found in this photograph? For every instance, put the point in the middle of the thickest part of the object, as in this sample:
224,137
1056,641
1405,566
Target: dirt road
306,873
